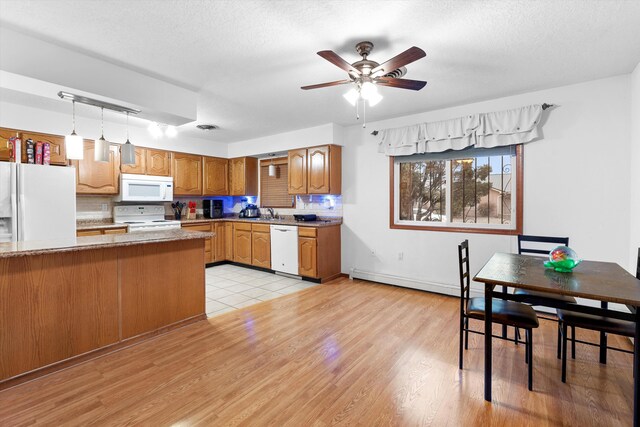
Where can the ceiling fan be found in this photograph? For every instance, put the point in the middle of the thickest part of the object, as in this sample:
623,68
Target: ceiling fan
366,74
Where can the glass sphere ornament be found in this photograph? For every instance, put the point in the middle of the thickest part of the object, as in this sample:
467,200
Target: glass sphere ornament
562,259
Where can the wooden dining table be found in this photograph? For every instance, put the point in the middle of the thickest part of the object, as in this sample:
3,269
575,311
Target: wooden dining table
602,281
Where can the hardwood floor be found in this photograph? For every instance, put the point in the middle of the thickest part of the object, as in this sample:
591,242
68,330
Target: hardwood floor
340,353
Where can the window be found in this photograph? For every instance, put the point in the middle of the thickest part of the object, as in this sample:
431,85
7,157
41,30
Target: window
472,190
274,190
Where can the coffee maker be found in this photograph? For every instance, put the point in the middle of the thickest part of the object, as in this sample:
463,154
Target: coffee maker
212,208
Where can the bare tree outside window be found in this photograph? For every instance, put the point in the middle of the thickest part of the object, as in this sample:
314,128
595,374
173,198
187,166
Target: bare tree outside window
423,187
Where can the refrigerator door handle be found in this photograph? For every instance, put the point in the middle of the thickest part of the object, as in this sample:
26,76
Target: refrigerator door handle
21,208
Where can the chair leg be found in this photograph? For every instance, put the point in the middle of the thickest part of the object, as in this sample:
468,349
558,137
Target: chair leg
504,327
573,342
564,352
462,331
517,335
530,351
559,339
466,334
603,348
527,343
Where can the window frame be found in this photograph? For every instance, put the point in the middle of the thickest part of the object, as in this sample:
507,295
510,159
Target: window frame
475,228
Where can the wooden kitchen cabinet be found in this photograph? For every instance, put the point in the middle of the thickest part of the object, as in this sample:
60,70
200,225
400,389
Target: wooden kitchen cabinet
297,170
158,162
228,241
319,253
5,134
139,167
315,170
261,245
219,250
242,243
187,174
56,145
208,243
97,177
243,176
101,231
216,176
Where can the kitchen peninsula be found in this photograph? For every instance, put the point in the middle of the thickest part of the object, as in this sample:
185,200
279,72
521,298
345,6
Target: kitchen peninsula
65,301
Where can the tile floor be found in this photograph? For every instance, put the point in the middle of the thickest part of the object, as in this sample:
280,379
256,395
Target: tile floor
230,287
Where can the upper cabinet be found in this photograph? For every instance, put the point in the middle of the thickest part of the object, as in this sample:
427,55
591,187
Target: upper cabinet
187,174
97,177
149,162
243,176
297,171
316,170
5,134
56,145
158,162
139,167
216,176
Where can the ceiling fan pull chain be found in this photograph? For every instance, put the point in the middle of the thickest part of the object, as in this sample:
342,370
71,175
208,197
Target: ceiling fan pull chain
357,109
364,114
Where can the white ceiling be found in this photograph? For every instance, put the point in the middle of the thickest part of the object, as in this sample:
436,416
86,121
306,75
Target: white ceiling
248,59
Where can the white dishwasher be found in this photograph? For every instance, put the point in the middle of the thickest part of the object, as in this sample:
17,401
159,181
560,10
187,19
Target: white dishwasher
284,248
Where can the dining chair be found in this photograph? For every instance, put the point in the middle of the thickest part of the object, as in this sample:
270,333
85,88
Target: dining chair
503,312
605,325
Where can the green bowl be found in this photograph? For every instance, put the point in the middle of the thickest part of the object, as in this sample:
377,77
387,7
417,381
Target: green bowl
564,266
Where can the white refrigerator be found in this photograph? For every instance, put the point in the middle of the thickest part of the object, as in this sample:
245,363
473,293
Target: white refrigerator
37,202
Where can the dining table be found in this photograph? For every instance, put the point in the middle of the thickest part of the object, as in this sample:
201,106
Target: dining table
606,282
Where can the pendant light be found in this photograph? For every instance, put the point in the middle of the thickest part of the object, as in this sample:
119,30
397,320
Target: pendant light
73,142
128,151
272,167
101,153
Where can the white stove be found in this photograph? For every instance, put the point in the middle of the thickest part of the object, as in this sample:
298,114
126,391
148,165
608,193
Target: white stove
141,218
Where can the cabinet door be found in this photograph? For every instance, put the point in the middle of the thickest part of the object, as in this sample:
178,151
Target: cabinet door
139,167
158,162
307,257
216,176
97,177
82,233
5,134
115,231
318,170
56,145
187,174
236,177
242,246
228,241
261,249
219,250
298,171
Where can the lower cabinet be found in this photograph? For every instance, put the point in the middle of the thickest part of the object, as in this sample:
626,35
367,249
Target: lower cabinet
219,240
307,256
208,244
228,241
101,231
261,245
242,243
319,252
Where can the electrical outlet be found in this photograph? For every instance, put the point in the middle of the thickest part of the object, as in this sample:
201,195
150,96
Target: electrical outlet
105,207
400,256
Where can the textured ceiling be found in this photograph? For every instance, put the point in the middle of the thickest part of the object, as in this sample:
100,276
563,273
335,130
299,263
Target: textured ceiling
248,59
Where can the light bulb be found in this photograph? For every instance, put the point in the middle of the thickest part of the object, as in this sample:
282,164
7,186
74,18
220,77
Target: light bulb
368,90
154,130
352,96
128,153
171,131
101,150
374,99
73,146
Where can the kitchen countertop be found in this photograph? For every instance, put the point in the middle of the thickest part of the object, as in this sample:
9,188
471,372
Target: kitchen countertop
287,221
98,224
40,247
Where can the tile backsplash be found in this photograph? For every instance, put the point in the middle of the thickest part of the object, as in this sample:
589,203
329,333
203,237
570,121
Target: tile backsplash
101,207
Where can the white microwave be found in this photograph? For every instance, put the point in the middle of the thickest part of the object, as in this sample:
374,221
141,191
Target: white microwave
145,188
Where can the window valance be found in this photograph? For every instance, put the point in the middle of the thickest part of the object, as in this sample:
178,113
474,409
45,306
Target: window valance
482,130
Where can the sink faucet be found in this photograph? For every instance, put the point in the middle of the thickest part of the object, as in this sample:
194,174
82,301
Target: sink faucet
270,210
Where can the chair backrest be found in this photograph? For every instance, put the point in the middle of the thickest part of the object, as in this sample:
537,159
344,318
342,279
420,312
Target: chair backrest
536,249
463,263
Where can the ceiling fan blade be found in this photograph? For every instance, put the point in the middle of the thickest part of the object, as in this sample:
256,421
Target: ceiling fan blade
333,57
400,83
336,83
407,57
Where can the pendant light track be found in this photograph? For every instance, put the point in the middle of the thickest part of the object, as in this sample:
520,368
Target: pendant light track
97,103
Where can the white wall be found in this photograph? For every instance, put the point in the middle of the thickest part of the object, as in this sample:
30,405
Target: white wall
19,116
634,229
576,184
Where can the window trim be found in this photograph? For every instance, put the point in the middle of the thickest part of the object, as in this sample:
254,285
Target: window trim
519,163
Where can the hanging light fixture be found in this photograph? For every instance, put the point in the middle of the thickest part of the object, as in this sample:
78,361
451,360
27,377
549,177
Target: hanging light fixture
128,151
101,153
171,131
272,167
73,142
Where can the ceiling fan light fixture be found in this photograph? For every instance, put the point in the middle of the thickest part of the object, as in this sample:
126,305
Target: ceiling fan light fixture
368,90
352,96
374,99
